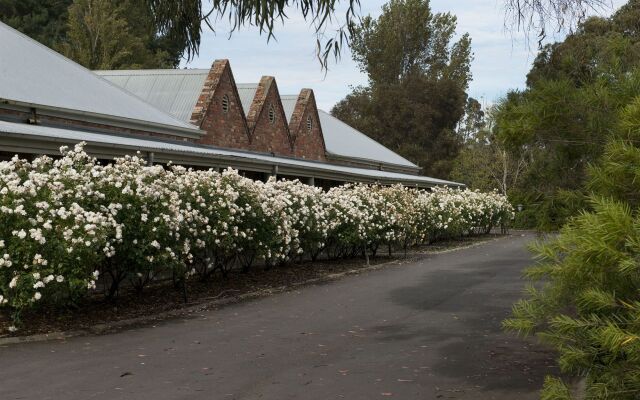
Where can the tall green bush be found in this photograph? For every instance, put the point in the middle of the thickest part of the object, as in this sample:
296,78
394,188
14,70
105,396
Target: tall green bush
584,297
73,225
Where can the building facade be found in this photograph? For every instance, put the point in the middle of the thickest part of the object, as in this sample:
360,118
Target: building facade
194,117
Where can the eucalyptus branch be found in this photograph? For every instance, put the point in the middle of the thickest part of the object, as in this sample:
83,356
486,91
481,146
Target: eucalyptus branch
184,20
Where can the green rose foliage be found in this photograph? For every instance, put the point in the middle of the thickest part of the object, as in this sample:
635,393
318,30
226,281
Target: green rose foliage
74,225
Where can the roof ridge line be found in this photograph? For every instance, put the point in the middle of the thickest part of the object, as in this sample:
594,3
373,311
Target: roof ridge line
159,71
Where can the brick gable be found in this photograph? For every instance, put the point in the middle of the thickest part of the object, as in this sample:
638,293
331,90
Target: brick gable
305,128
264,128
224,127
267,121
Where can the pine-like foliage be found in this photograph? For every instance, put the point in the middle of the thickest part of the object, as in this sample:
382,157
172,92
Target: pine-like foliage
586,303
585,294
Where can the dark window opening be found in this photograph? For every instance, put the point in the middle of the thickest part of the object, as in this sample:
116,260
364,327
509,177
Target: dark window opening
272,114
309,124
225,103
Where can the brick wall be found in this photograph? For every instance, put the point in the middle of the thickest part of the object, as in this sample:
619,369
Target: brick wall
267,121
257,130
305,128
223,128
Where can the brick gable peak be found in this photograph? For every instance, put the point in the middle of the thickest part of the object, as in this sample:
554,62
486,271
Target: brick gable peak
260,105
305,105
220,69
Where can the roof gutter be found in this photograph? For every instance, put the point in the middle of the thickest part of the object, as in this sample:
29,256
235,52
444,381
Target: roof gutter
50,145
121,122
385,166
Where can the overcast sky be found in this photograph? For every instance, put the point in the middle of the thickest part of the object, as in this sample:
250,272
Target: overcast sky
501,59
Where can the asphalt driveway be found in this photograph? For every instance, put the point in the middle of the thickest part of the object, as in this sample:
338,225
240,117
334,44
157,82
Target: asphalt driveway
426,330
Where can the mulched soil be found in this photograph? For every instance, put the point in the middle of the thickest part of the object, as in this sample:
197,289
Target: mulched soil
163,300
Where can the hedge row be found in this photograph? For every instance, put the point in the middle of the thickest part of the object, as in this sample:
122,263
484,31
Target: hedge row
65,223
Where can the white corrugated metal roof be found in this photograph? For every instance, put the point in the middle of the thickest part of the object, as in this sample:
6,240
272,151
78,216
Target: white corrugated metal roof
33,74
246,91
340,139
75,136
174,91
289,104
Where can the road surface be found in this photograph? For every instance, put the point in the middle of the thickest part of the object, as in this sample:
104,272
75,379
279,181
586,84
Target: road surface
424,330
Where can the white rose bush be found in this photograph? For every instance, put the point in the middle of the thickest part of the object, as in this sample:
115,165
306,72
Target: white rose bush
71,226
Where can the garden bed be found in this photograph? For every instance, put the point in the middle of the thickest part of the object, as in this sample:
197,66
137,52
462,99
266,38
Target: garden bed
161,300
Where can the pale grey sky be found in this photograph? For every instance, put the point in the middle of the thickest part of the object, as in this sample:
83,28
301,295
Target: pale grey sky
501,59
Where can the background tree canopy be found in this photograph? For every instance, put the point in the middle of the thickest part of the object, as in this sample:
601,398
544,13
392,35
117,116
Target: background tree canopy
96,33
42,20
564,119
583,299
117,35
418,78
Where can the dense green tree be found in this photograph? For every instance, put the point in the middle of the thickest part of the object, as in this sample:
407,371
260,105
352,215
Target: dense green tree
409,39
99,36
417,81
473,121
568,112
42,20
584,294
601,48
484,163
130,24
583,297
162,50
117,35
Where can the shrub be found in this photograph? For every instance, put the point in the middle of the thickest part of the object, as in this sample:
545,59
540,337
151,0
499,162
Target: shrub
67,222
588,307
583,299
51,244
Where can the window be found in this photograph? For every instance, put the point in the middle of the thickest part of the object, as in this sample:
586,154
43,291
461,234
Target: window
272,114
225,103
309,123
